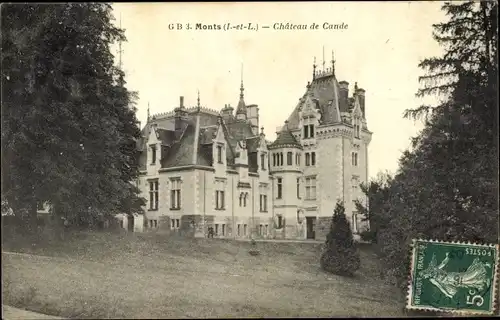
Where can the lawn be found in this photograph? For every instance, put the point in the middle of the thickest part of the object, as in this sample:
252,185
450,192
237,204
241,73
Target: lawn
102,275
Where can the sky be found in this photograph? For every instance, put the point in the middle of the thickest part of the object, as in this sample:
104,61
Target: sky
380,50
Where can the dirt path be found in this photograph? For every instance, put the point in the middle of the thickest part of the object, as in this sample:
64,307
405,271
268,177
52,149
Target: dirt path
11,313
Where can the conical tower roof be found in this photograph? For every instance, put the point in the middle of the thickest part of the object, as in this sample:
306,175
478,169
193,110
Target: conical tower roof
285,139
241,108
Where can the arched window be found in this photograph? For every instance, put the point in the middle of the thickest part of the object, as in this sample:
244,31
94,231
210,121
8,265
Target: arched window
281,158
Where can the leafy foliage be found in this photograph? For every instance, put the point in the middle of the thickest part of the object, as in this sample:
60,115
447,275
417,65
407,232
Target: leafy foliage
340,255
68,122
376,192
447,185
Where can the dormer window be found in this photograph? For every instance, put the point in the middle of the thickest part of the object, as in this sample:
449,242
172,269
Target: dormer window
263,161
153,154
309,131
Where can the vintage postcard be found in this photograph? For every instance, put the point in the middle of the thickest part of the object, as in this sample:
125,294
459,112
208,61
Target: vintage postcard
249,159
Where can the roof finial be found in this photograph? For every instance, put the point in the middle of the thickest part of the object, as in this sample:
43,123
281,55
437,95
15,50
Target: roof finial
333,63
323,58
198,104
355,86
148,112
241,87
314,68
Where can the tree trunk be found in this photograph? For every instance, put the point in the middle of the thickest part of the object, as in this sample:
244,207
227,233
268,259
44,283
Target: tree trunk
31,218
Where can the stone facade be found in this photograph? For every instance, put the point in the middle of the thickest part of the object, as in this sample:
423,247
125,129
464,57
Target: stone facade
205,170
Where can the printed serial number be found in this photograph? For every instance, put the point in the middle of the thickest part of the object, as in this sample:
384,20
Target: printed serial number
478,252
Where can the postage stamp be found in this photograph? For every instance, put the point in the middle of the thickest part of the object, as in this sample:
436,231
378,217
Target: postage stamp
453,277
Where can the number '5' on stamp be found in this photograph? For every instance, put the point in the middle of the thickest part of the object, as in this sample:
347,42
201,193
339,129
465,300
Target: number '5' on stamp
453,277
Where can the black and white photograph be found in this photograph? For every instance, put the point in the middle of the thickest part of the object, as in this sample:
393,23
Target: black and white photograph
166,160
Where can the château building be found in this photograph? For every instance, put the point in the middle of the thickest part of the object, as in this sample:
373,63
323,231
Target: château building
202,168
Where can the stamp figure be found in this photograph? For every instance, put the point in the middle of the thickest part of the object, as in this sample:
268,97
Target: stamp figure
464,281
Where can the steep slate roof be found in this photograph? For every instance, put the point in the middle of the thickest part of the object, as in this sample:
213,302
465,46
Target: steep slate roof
325,89
179,152
285,139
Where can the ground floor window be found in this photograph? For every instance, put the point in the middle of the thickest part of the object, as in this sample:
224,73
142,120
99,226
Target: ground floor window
153,223
175,223
220,229
244,229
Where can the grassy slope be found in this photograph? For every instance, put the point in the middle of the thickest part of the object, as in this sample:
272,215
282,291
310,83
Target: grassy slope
140,276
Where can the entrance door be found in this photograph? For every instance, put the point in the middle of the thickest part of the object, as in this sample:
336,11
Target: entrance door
311,227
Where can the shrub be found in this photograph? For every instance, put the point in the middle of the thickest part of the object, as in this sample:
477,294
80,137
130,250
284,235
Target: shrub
369,236
340,255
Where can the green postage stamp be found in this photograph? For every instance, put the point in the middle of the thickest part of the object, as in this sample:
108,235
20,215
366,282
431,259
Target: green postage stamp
453,277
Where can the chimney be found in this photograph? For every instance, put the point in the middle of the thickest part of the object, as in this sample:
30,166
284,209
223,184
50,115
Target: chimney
180,118
181,102
344,95
227,112
361,96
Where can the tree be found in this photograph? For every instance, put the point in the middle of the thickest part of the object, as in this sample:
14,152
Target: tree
447,184
340,255
68,122
377,193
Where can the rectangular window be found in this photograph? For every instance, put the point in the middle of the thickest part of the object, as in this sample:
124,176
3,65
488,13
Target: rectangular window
266,230
280,188
261,230
263,203
298,188
313,158
223,230
244,229
153,195
306,132
175,223
219,197
153,224
153,154
274,159
354,159
219,154
216,229
281,159
175,194
311,188
308,159
311,131
289,158
263,161
239,230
